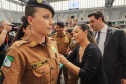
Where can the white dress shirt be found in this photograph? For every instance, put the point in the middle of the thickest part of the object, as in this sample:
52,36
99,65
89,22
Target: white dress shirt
102,38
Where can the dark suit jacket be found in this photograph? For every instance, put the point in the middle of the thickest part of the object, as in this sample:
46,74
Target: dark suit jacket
114,50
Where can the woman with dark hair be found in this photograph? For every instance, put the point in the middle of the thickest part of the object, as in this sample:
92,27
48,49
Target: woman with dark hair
23,30
87,56
34,60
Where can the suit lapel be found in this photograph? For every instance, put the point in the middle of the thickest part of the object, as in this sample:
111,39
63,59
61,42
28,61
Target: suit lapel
108,36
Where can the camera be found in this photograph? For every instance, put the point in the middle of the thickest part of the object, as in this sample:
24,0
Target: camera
72,17
13,27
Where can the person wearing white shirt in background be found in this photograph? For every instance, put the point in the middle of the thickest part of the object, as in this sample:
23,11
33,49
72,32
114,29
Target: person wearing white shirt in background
4,29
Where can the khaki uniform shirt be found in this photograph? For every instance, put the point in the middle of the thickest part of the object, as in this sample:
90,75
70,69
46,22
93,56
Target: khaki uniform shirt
31,62
63,42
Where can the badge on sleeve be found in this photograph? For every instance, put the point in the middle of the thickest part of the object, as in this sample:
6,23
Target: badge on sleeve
8,61
66,38
74,42
54,50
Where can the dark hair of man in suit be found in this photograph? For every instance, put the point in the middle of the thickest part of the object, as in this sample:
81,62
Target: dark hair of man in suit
97,15
96,20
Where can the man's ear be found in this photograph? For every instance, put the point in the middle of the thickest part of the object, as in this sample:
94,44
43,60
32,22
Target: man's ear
30,20
86,32
100,18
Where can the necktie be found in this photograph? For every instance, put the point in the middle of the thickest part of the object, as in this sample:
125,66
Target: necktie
97,40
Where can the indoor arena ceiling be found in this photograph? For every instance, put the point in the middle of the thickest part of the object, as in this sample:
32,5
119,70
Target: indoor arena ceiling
22,2
47,0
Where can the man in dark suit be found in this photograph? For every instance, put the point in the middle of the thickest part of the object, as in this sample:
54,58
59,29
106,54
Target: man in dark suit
112,43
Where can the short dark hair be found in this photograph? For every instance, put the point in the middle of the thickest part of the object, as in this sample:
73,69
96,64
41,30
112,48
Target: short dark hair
97,15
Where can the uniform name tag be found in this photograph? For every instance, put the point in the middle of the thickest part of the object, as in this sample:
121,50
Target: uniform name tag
35,65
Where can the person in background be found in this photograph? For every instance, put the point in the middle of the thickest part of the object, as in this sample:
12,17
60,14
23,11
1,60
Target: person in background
118,27
53,29
23,30
63,40
34,60
109,23
73,78
87,56
112,43
5,39
66,28
4,30
75,21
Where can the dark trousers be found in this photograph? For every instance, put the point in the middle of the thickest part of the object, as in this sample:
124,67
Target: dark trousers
66,75
73,79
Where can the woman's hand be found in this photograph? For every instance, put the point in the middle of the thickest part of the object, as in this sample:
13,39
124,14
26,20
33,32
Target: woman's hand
70,52
63,60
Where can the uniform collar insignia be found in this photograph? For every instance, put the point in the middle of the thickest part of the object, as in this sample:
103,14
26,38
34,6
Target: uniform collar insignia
33,43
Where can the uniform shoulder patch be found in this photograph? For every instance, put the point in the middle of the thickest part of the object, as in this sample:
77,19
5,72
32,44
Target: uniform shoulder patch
51,35
53,49
74,42
8,61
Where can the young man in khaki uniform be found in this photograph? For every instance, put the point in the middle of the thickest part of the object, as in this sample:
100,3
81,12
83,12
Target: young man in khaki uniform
63,40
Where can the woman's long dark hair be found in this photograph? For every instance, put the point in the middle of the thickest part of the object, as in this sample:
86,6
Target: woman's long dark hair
90,35
20,32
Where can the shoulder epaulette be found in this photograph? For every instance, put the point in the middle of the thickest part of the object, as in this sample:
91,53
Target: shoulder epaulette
51,38
51,34
19,43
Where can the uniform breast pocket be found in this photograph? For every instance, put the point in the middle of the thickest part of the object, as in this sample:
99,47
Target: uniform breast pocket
42,73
